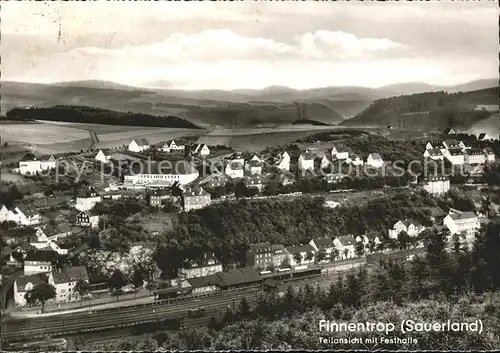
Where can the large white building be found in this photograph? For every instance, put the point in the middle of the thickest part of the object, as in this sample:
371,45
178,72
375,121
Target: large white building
101,157
346,246
340,153
437,185
39,261
139,145
307,255
160,173
20,215
234,169
26,283
456,156
283,161
65,281
306,161
87,199
475,156
375,160
31,165
459,222
434,154
195,198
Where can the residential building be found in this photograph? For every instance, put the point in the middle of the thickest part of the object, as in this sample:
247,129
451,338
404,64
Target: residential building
47,162
323,244
88,219
489,155
429,146
434,154
18,254
234,169
201,150
449,131
334,178
20,215
346,246
254,167
355,159
205,284
437,185
454,144
371,237
237,157
158,197
39,261
340,153
4,213
217,180
195,198
101,157
139,145
31,164
160,173
283,161
52,232
455,156
375,160
475,156
459,222
306,253
86,199
24,284
65,280
306,161
264,255
173,147
412,227
255,181
208,264
324,162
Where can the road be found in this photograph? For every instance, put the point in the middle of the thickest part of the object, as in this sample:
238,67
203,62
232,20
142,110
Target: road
81,322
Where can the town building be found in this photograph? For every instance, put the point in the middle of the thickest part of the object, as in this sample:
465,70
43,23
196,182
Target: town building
286,179
234,169
266,255
88,219
324,162
356,160
158,197
437,185
216,180
86,199
475,156
255,181
65,280
283,162
375,160
454,144
31,164
18,254
195,198
101,157
450,131
20,215
237,157
139,145
39,261
489,154
173,147
429,146
412,227
456,156
164,173
334,178
26,283
208,264
306,255
459,222
371,237
201,150
346,246
47,162
306,161
434,154
254,167
340,153
323,244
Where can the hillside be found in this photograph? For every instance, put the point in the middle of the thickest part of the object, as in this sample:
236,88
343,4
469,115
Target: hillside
82,114
431,111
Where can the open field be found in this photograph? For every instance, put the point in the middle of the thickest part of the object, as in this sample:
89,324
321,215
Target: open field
490,126
39,134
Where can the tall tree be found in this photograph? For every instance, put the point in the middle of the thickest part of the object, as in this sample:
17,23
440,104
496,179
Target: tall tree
82,287
116,282
42,292
486,259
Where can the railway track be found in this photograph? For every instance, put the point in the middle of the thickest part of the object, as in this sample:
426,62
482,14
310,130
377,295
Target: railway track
126,317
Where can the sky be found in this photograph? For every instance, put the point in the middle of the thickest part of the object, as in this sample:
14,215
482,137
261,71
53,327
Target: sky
250,45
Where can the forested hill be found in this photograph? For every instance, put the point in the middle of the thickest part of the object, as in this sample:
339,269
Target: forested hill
431,111
84,114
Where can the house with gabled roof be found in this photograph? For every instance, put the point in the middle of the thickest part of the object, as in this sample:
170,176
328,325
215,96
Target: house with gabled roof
195,198
65,280
173,147
340,152
21,215
139,145
489,154
87,198
254,166
305,252
375,160
412,227
346,246
264,255
255,181
47,161
436,185
324,244
460,222
355,159
201,150
39,261
88,219
283,161
306,161
234,169
101,157
475,156
26,283
434,154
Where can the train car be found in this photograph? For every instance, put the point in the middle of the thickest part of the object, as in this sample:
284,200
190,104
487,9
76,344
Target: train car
171,293
284,270
306,271
56,344
263,273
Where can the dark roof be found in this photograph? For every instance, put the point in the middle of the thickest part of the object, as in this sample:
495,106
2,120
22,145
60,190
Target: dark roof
89,213
254,163
307,155
86,192
200,282
452,142
70,274
455,151
434,152
141,141
463,215
489,150
436,178
235,165
300,249
196,191
261,248
323,242
163,167
481,136
372,235
40,255
27,211
35,279
236,155
29,157
346,240
243,276
475,151
46,157
66,246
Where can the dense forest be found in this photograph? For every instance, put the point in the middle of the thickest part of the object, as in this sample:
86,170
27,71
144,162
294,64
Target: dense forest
461,286
83,114
431,111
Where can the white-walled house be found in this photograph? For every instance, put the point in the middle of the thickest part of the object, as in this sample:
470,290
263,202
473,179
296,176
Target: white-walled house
303,250
101,157
47,162
254,166
138,145
456,156
355,159
201,150
323,244
20,215
24,284
283,162
475,156
434,154
234,169
454,144
172,146
87,199
65,281
429,146
88,219
346,246
436,185
375,160
306,161
237,157
31,165
340,153
324,162
38,261
459,222
413,228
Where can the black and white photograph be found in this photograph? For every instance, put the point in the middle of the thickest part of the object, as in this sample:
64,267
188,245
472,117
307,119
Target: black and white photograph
249,176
